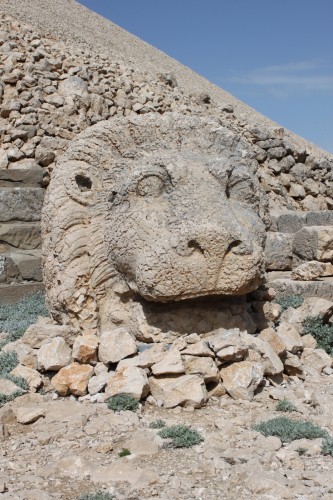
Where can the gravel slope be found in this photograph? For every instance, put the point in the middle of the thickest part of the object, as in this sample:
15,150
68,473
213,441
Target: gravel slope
77,25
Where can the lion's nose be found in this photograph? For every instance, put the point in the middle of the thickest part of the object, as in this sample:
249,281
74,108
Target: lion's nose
211,242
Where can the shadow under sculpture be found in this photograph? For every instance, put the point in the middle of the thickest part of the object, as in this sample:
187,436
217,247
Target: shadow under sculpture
152,222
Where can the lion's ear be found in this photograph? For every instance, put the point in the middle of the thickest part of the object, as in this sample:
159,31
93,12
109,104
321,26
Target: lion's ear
80,182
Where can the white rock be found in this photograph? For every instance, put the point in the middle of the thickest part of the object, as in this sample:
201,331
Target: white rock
54,355
241,379
290,337
171,363
28,415
129,380
202,366
98,382
116,345
185,390
32,376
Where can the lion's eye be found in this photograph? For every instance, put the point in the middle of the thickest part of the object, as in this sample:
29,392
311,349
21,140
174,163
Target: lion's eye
150,185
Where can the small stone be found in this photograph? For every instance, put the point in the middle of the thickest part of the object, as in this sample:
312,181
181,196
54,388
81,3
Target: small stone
308,271
28,415
202,366
293,365
144,443
198,349
72,379
270,336
98,382
54,355
317,359
290,337
8,388
116,345
242,379
32,376
85,349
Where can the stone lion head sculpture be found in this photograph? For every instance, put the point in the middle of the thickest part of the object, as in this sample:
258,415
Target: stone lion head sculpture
163,208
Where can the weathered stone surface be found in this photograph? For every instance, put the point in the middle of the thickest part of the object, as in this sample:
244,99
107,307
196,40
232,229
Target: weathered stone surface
242,379
290,337
28,415
53,355
293,365
198,349
270,336
116,345
85,349
25,354
308,271
45,329
130,380
72,379
314,243
150,356
23,204
185,390
279,251
316,358
144,443
268,358
171,363
161,251
21,235
7,387
32,376
205,367
98,382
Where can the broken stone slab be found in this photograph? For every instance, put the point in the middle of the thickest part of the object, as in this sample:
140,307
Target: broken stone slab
171,363
23,204
242,379
45,329
314,243
144,443
28,415
98,382
293,365
198,349
279,251
308,271
8,388
85,349
317,359
183,390
147,358
290,337
116,345
23,235
285,287
268,358
205,367
53,355
270,336
129,380
72,379
32,376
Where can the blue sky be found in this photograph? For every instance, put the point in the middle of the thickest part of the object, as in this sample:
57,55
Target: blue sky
274,55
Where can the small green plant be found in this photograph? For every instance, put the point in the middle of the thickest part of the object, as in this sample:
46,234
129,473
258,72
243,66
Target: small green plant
122,402
289,430
322,332
8,361
99,495
157,424
4,398
124,452
15,318
301,451
327,446
294,301
285,405
181,436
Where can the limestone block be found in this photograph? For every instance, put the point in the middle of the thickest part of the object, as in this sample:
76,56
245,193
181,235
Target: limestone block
308,271
72,379
28,263
268,358
45,329
98,382
144,443
7,387
309,341
205,367
290,337
317,359
27,415
53,355
270,336
171,363
129,380
85,349
32,376
242,379
198,349
154,354
25,354
314,243
279,251
293,365
185,390
116,345
25,236
24,204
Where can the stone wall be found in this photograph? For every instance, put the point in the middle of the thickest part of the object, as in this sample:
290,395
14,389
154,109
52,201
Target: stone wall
49,92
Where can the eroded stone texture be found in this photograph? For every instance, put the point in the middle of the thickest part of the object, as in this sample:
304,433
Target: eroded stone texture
151,209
